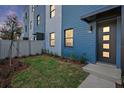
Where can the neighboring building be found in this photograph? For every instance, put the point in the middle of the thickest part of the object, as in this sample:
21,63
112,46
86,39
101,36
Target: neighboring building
31,21
34,22
93,31
39,22
26,16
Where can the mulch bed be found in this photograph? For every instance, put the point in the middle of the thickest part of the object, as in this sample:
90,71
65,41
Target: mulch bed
72,62
68,60
7,71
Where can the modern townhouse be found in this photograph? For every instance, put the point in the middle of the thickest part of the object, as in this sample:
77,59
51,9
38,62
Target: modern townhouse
34,22
39,22
25,33
95,32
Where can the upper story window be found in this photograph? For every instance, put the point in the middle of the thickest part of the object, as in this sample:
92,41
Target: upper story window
30,24
26,28
26,15
52,11
69,37
33,8
52,39
38,19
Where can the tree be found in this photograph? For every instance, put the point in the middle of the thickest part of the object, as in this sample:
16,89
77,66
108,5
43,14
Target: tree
12,28
11,31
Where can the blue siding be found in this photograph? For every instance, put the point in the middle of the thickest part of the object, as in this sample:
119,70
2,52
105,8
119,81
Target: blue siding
84,42
39,10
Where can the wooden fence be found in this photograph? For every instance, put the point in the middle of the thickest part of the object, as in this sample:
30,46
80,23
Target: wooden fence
20,48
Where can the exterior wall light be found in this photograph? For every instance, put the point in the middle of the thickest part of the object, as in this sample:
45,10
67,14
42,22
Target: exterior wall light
90,28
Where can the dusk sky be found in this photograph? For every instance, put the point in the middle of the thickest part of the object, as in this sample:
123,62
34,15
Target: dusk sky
10,9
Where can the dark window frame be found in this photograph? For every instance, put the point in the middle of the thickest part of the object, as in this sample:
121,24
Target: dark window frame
38,20
52,11
26,28
65,38
33,8
51,40
26,15
30,24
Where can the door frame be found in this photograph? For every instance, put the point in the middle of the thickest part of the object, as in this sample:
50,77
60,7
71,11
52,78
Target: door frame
102,21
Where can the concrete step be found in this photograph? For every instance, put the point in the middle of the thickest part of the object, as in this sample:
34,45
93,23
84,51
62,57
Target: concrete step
109,72
106,65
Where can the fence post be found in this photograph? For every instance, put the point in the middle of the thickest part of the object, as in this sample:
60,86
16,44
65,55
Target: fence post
29,47
17,48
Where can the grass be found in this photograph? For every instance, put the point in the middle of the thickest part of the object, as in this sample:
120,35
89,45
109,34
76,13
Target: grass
47,72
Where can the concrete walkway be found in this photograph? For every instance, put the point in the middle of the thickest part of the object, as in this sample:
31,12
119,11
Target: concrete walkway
93,81
101,76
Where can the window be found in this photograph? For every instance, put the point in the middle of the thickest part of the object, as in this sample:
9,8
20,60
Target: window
30,24
52,39
26,15
52,11
25,28
38,19
69,37
33,8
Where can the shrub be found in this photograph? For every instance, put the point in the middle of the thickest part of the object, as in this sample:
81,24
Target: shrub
122,77
73,57
122,80
51,53
83,59
2,62
43,51
47,51
56,55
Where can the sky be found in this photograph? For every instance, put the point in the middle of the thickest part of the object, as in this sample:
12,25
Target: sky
11,9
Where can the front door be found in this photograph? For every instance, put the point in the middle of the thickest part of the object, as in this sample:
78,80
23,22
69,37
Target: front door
106,41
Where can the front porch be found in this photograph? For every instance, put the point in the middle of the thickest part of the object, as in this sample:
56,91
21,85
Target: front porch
101,75
107,13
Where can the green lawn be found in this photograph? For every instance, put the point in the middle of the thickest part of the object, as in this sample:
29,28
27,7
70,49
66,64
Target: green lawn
46,71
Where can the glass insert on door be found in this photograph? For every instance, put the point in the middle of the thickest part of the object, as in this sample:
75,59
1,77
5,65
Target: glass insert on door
106,54
105,46
106,29
106,37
